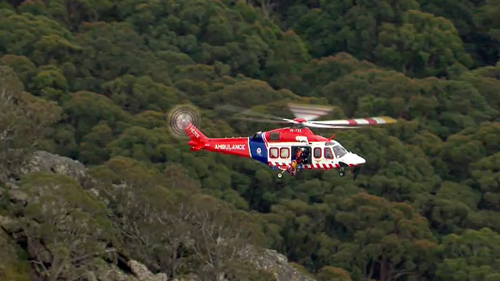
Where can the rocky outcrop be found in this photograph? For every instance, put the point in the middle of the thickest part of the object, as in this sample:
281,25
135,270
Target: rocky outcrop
143,273
42,161
278,264
267,260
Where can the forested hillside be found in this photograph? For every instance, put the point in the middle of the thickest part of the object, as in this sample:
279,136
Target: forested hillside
93,81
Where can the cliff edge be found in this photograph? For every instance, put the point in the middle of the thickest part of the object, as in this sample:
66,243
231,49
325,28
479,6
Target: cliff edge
57,221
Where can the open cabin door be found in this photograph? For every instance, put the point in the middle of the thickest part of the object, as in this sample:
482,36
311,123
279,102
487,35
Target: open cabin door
303,143
306,153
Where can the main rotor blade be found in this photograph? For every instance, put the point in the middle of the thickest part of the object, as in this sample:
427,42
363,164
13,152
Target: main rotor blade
259,120
306,124
325,126
250,112
245,111
359,121
309,112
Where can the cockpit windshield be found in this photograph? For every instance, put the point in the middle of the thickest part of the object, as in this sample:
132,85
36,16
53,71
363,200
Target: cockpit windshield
339,151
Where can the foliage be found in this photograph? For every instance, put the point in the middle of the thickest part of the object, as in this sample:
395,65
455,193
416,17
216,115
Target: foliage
92,80
24,121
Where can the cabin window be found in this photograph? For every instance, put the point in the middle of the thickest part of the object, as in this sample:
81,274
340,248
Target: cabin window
328,153
317,152
273,152
284,152
274,136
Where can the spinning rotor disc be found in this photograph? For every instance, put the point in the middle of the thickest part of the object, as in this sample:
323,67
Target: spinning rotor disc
179,117
306,115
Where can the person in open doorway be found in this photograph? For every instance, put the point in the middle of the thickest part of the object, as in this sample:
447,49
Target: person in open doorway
299,157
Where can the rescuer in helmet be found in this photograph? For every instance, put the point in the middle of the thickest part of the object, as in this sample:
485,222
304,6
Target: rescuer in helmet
299,156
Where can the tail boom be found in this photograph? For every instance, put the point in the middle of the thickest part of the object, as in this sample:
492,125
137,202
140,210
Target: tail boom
233,146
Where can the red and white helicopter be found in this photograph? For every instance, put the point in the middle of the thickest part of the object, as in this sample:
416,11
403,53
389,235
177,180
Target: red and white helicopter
277,148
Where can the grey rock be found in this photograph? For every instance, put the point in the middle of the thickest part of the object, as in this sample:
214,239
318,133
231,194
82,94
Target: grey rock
103,271
42,161
272,261
17,196
143,273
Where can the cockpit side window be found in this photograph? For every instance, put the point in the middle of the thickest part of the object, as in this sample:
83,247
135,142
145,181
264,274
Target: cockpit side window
328,153
339,151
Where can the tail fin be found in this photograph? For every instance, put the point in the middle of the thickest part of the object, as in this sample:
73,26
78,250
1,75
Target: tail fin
197,139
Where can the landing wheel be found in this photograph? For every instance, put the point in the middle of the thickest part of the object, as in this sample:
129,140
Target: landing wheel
342,172
280,175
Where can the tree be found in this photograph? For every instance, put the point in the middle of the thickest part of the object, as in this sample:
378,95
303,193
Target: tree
472,255
423,45
42,39
222,241
66,227
330,273
486,20
172,230
24,121
387,240
344,26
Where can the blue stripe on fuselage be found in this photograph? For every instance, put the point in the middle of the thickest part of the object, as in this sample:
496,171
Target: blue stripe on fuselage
258,150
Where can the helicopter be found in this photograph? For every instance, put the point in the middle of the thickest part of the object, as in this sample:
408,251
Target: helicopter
278,148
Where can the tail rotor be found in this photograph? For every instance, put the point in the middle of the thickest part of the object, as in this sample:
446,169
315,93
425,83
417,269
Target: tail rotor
179,118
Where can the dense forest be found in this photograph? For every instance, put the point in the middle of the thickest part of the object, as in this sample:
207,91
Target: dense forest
94,80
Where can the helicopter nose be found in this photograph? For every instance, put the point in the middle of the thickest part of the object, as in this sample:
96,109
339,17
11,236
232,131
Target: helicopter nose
361,160
353,159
